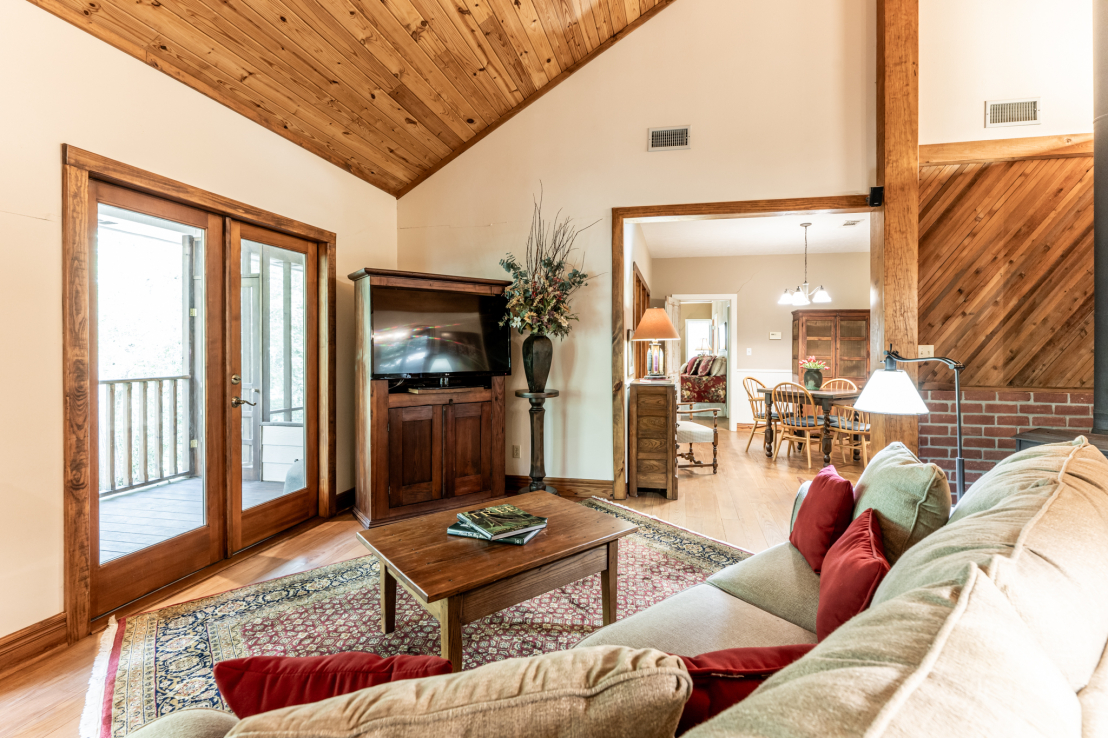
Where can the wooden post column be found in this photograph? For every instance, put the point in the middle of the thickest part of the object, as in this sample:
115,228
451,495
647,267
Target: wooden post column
894,242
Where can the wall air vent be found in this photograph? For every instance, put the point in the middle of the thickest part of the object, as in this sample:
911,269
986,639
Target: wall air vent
1001,113
669,139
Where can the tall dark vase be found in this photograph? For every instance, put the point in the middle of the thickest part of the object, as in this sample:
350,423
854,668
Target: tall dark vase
538,352
813,379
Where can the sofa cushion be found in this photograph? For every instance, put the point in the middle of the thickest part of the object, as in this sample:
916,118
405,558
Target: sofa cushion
854,567
1094,701
580,692
719,366
699,620
777,580
704,366
824,516
196,722
911,498
262,683
1038,523
725,678
948,660
801,495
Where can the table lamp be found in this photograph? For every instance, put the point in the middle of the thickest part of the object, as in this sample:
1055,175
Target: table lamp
890,391
655,327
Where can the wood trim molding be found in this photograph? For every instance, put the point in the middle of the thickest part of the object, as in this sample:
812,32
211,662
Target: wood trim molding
38,639
1006,149
566,487
687,211
621,34
109,170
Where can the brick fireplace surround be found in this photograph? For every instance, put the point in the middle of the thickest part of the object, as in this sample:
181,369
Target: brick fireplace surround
989,420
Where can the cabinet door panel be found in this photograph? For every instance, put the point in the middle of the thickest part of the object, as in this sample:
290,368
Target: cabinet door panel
415,455
468,461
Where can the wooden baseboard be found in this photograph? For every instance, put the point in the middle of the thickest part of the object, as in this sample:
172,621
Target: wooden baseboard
17,648
566,487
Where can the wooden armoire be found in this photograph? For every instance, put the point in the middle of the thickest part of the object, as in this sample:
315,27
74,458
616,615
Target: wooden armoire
430,449
839,337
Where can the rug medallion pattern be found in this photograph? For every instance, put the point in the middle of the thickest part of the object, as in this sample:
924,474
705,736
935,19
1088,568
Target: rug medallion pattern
165,657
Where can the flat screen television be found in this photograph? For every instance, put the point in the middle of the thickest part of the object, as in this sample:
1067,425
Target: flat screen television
432,333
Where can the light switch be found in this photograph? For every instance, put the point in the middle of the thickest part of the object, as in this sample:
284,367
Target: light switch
775,335
749,352
926,352
515,451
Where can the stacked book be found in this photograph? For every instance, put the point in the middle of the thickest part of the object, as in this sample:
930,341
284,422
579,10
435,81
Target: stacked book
502,523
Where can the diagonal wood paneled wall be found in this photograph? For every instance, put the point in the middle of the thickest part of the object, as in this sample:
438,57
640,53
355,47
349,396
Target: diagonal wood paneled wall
390,90
1006,272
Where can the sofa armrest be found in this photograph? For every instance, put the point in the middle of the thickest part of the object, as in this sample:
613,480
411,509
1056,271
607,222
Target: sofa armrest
800,495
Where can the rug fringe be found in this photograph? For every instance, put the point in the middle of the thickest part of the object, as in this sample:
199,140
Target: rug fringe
94,699
672,525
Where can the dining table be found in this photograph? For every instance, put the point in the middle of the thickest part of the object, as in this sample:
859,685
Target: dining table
824,399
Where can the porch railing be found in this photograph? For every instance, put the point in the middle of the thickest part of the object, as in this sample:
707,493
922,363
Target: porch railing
145,431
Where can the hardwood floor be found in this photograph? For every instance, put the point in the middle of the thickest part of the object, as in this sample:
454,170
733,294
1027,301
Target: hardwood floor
748,503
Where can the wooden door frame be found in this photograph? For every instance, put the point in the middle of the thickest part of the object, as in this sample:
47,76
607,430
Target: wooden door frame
78,168
697,211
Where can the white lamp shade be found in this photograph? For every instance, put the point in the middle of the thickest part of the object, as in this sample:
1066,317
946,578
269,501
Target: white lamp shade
799,299
821,295
891,393
786,298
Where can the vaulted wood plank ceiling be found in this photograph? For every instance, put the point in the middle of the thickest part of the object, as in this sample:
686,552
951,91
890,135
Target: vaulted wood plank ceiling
389,90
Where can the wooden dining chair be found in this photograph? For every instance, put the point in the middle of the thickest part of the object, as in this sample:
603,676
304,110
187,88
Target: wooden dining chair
850,429
757,401
839,384
795,409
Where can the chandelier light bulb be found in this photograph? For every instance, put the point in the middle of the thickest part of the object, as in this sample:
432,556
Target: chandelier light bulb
821,295
786,298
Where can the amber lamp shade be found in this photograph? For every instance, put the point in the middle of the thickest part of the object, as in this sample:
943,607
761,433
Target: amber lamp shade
655,327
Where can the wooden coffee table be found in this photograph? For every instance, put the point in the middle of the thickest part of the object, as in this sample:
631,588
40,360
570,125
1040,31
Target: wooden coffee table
459,580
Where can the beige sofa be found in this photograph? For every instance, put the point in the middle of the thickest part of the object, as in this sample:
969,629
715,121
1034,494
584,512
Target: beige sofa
992,624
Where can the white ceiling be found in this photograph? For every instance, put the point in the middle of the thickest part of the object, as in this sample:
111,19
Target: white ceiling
777,234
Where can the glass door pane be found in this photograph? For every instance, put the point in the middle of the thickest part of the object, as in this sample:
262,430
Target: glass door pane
274,372
150,353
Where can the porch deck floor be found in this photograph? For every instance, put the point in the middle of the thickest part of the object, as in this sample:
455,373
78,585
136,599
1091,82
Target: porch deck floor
134,521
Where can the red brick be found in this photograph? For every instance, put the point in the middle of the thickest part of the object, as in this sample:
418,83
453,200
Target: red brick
971,453
930,452
1018,420
979,395
1078,397
941,395
1052,397
979,419
940,441
980,443
1031,409
1001,432
1086,410
1083,423
1013,396
940,418
934,430
947,464
1002,407
971,430
982,466
972,407
998,454
1009,443
1049,421
938,407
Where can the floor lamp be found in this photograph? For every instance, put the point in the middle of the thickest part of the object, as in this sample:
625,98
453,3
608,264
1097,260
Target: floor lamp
891,392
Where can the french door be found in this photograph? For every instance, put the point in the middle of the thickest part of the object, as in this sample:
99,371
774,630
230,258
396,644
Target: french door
204,389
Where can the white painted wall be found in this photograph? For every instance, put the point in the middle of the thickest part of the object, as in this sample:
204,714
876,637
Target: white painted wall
971,52
61,85
780,99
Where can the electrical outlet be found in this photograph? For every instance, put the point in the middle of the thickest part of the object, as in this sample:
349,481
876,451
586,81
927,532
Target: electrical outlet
926,352
515,452
750,352
775,335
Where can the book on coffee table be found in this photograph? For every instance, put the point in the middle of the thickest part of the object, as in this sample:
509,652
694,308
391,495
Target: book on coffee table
458,529
501,521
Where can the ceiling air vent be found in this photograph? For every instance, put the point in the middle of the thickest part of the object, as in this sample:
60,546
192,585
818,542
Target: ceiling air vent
669,139
1001,113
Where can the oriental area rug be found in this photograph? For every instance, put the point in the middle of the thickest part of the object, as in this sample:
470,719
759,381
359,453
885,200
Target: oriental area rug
161,661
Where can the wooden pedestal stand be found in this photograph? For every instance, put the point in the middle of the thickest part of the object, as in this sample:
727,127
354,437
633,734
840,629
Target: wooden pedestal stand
538,422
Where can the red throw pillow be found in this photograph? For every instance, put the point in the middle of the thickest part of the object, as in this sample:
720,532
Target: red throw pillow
705,365
690,368
725,678
262,683
854,567
823,516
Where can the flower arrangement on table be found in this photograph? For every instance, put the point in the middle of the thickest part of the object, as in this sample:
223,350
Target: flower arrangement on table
813,363
539,295
813,372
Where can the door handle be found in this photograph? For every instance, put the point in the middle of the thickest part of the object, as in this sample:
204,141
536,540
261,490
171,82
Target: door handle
238,402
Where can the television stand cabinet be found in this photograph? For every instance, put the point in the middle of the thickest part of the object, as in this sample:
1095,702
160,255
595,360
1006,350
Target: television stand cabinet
426,451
